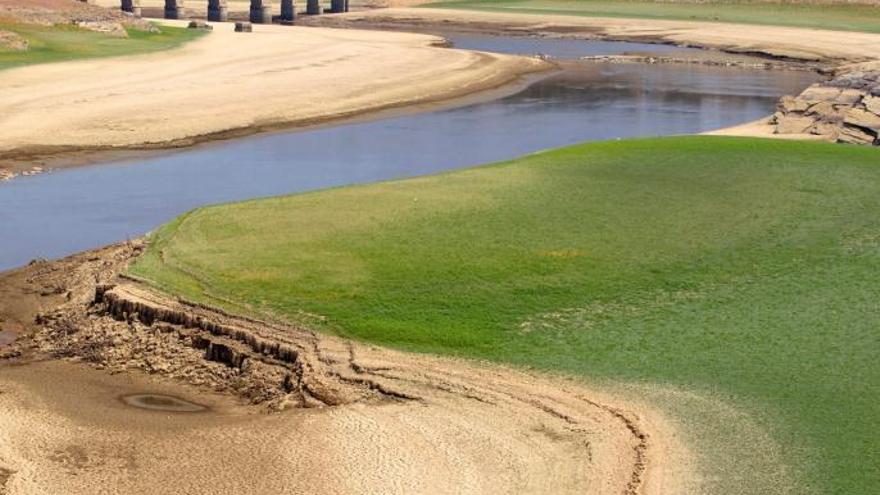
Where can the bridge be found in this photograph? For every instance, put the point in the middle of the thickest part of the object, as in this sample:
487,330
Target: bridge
260,10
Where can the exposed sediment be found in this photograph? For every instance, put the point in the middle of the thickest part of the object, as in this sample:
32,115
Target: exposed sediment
480,428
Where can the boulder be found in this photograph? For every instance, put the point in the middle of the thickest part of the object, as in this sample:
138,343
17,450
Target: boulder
828,130
817,93
872,104
862,118
849,97
243,27
826,112
875,91
788,104
855,135
793,124
199,24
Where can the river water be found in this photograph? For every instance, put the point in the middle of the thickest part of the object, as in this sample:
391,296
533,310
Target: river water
71,210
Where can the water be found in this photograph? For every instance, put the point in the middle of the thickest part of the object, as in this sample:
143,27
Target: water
67,211
562,48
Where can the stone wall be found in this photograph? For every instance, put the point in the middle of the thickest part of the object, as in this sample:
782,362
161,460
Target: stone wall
845,109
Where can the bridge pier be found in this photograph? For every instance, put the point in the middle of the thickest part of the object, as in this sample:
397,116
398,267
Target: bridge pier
174,9
288,11
133,7
313,7
218,11
337,6
261,11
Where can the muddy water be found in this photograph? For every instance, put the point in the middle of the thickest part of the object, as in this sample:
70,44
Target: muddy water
55,214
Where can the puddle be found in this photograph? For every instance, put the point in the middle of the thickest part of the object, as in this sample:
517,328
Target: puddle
158,402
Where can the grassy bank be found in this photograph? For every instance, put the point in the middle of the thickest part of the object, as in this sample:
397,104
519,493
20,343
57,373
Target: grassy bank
828,16
743,267
61,43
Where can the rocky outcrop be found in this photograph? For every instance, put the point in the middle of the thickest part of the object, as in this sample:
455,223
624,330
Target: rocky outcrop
845,109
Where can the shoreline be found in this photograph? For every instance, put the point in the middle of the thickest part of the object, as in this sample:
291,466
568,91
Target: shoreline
40,158
48,159
532,420
167,109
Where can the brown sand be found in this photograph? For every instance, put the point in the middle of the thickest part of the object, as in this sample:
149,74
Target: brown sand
233,82
834,47
402,423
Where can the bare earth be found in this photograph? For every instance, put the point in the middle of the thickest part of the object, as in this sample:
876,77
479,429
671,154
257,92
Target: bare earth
356,419
796,43
235,82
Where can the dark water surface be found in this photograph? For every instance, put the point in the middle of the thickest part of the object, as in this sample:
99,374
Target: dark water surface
63,212
560,48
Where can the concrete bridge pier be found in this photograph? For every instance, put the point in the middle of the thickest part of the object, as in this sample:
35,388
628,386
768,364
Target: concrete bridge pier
337,6
261,11
133,7
288,11
313,7
218,11
174,9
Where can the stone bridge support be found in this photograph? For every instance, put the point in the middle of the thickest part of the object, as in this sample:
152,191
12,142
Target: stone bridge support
133,7
313,7
218,11
288,11
338,6
174,9
261,11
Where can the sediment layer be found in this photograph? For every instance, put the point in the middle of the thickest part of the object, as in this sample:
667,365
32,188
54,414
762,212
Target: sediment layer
480,428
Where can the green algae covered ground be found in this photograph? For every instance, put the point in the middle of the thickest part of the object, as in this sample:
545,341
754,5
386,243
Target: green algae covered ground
63,43
744,268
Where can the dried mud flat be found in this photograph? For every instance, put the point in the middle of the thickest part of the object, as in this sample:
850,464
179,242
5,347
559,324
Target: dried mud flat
288,410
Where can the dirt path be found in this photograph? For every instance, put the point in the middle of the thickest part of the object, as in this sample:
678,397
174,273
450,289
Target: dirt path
234,83
356,418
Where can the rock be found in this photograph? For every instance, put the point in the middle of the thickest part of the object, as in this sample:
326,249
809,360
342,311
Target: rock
12,41
855,135
828,130
862,118
789,104
849,97
793,124
875,91
243,27
872,104
817,93
112,28
826,112
199,24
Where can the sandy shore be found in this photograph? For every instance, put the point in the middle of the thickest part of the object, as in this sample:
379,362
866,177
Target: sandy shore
231,84
376,421
831,47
